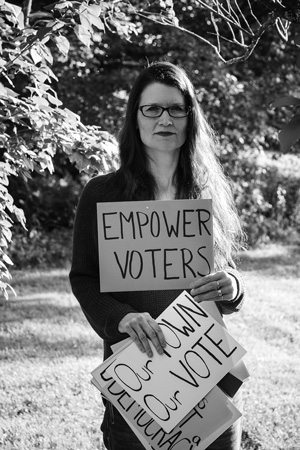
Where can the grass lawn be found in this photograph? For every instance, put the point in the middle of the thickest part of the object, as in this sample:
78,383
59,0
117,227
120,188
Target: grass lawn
47,351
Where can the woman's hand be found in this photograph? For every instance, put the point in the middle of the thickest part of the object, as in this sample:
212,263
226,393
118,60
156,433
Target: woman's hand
218,286
142,329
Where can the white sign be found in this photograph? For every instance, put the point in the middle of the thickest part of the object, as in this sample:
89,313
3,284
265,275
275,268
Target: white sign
199,353
154,245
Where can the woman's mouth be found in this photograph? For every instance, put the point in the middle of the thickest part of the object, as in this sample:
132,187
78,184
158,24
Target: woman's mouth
164,133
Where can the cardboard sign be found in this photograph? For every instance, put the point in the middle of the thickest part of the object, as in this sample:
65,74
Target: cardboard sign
199,353
210,417
154,245
234,379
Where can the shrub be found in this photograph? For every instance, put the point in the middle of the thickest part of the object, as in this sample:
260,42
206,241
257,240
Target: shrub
40,249
267,190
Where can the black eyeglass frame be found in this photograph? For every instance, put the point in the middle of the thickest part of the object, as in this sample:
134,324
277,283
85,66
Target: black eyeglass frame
188,111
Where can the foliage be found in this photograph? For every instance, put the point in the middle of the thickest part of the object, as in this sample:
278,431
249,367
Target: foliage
290,133
268,195
36,126
33,124
48,201
41,248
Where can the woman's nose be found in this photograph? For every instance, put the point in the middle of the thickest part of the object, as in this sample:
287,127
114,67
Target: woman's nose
165,119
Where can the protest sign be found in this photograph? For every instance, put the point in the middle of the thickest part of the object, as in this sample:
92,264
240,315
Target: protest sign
234,379
199,353
154,245
209,418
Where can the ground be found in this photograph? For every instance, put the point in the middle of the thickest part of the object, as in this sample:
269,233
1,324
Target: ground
48,350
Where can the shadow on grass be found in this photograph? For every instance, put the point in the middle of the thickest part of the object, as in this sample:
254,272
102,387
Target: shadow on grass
249,443
35,281
274,259
45,325
43,307
29,347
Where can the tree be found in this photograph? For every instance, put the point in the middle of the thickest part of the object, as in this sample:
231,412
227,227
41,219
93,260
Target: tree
35,125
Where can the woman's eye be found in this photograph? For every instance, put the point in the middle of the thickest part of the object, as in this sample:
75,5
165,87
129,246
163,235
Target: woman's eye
153,109
178,108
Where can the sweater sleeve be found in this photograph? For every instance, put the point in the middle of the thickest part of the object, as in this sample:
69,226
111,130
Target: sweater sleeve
229,307
102,310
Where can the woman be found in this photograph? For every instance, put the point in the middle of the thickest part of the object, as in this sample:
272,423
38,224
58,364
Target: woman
167,152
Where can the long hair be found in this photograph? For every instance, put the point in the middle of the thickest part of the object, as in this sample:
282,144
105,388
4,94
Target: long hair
199,173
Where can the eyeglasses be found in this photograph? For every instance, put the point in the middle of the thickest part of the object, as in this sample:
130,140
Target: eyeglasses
154,111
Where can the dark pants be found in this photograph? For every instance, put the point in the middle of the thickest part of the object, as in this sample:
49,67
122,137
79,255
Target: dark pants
117,435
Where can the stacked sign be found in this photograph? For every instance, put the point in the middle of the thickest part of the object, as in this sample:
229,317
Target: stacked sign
170,400
173,398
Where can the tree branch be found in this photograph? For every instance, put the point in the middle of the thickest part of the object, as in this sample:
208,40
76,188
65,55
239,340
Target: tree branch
27,6
247,48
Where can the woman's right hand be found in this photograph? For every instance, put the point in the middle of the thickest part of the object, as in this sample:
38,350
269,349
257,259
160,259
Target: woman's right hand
142,328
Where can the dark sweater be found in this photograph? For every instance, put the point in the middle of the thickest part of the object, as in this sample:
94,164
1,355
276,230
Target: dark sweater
104,311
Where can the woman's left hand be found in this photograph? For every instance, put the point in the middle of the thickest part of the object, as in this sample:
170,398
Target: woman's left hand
218,286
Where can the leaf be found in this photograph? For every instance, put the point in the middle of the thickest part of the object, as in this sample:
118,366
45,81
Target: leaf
35,55
63,44
7,259
20,216
40,101
6,92
12,289
94,13
54,100
20,19
83,35
71,116
7,234
85,22
290,134
94,10
63,5
97,22
285,101
81,161
46,52
3,243
16,11
5,223
57,25
42,32
29,164
45,73
14,8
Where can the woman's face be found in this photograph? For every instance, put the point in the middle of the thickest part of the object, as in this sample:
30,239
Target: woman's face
165,133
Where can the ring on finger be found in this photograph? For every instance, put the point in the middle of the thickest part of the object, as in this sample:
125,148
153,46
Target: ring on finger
220,293
218,285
